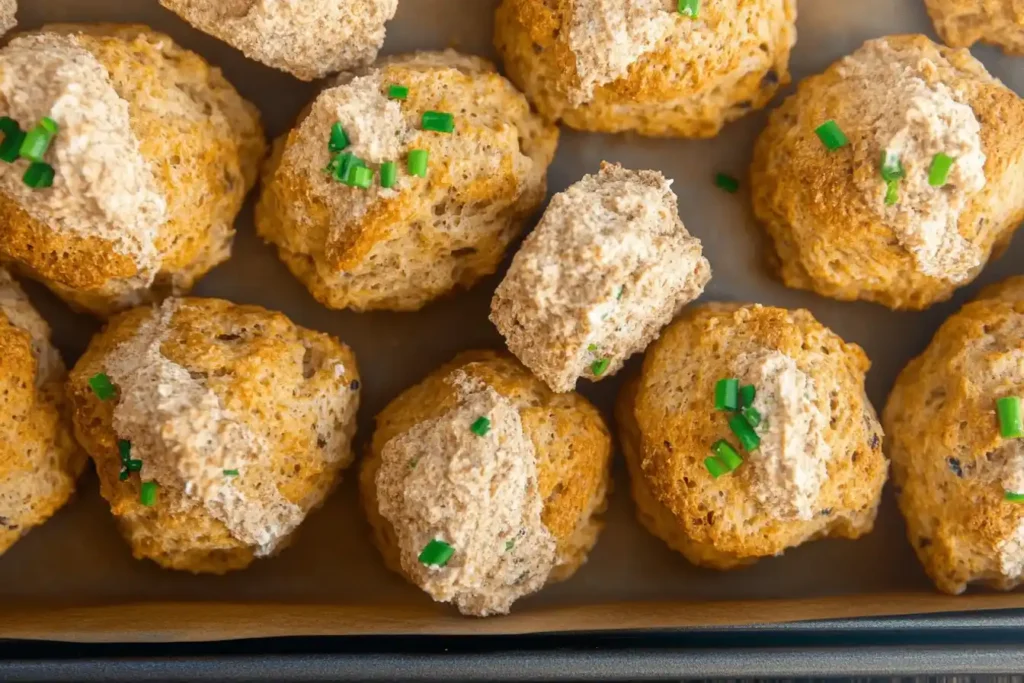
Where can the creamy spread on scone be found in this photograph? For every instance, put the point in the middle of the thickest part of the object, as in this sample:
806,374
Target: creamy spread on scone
609,264
475,489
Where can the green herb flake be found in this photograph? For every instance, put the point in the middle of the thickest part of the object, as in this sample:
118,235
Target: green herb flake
436,554
102,386
599,366
481,426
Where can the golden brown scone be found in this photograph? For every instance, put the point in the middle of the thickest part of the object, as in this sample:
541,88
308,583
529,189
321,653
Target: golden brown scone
951,465
962,23
153,157
840,229
818,470
308,39
613,66
482,458
39,460
401,247
242,420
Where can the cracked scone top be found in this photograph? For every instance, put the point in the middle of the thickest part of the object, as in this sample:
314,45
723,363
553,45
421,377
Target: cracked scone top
39,459
839,227
307,38
399,248
951,465
484,462
612,66
607,267
961,23
243,420
153,156
818,470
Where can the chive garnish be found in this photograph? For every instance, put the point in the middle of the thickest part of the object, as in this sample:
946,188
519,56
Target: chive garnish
599,366
124,474
102,386
134,466
715,467
1013,497
891,167
418,159
481,426
592,348
745,433
39,175
831,135
398,92
892,192
726,393
747,394
436,554
147,494
388,174
510,544
689,8
1011,425
11,146
361,177
438,121
726,454
751,415
939,171
35,144
124,448
230,473
727,182
339,139
50,125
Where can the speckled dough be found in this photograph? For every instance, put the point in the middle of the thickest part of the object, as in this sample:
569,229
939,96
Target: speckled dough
400,248
827,485
309,38
539,477
951,466
8,10
961,23
207,389
153,159
611,66
607,267
836,235
39,459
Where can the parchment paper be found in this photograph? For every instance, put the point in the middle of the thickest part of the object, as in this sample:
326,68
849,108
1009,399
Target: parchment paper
74,578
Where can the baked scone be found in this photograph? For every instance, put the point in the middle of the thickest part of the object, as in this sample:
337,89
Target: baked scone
608,266
815,468
399,247
308,39
39,459
913,186
482,485
215,428
8,10
952,466
153,154
644,66
962,23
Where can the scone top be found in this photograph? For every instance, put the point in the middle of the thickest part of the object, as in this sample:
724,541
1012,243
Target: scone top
607,267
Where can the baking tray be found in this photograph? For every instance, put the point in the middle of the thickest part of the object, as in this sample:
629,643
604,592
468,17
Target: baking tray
74,579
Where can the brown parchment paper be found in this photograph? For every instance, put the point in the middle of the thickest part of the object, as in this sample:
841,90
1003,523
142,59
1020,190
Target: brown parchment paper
75,579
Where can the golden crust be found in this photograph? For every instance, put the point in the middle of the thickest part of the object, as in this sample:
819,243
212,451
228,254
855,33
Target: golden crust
961,23
572,443
203,167
675,91
668,423
826,238
248,357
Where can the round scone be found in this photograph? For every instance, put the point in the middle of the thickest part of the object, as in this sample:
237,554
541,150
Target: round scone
399,247
482,485
39,459
962,23
893,176
215,428
647,66
749,432
308,39
150,155
608,266
958,461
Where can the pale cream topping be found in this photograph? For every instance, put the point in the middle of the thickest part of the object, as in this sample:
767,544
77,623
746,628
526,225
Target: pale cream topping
479,494
20,313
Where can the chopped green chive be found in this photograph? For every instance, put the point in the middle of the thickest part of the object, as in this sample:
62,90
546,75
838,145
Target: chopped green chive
689,8
726,392
35,144
1011,426
339,139
939,171
123,476
745,433
388,174
230,473
418,159
10,148
8,126
892,192
124,447
436,554
49,124
891,167
147,494
350,167
727,183
831,135
133,465
438,121
751,415
726,454
39,175
599,366
715,467
619,292
592,348
481,426
361,177
747,394
510,544
102,386
1013,497
398,92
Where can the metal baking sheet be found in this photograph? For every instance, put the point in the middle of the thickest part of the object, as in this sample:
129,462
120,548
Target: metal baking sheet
74,578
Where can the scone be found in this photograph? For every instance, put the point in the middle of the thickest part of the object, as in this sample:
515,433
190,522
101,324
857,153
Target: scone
8,10
308,39
893,176
657,67
608,266
482,485
136,159
748,432
405,182
215,428
962,23
39,459
957,456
